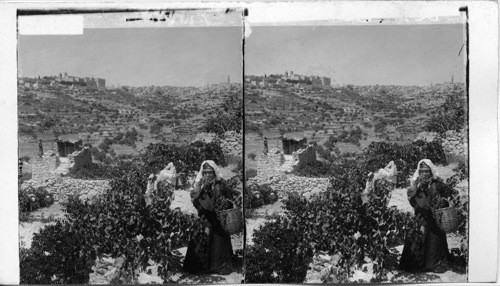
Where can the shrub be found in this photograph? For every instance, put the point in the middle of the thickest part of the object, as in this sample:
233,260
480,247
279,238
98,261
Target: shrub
252,127
25,158
451,115
314,169
119,223
258,195
57,256
407,156
191,155
250,173
330,143
462,170
339,211
334,222
239,167
222,123
230,118
252,156
278,256
232,159
94,172
324,154
31,199
26,130
98,155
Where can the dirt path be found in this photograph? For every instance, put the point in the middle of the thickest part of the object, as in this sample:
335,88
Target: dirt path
260,216
41,218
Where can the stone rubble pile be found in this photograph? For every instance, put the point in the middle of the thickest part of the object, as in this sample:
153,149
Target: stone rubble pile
108,270
42,167
231,143
455,143
269,172
61,188
44,176
205,137
324,269
80,159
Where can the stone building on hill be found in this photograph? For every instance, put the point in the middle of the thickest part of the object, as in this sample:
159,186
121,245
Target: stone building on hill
292,143
67,144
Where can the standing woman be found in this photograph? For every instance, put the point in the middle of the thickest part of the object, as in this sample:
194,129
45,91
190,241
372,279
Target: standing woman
426,248
40,148
266,148
380,182
209,249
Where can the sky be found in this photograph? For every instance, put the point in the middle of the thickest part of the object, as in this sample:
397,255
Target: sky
181,56
360,55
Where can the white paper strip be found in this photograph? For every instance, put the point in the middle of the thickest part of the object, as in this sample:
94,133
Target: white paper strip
51,25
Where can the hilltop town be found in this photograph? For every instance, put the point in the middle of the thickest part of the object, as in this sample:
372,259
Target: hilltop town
316,108
52,106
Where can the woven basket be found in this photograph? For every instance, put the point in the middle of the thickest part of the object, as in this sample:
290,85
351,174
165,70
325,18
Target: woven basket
446,219
231,220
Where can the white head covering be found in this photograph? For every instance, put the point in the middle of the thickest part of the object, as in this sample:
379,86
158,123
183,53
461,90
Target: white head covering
168,175
429,163
389,173
171,167
212,164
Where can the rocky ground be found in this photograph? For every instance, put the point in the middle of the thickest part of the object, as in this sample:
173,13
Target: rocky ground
107,269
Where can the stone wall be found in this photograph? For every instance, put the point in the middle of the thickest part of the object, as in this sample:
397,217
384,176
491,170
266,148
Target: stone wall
44,175
324,269
231,143
61,187
269,172
454,143
80,159
205,137
304,156
271,162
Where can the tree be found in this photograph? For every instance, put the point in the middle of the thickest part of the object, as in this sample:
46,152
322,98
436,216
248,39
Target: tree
451,115
330,143
230,118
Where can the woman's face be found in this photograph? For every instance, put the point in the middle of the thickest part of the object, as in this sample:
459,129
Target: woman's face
372,167
208,173
425,174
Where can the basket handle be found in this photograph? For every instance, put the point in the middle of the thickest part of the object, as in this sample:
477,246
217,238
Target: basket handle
449,205
224,218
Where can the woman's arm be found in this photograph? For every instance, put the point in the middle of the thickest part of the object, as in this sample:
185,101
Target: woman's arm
430,221
411,194
195,194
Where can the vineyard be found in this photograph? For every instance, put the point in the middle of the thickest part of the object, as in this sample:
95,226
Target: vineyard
333,235
326,237
117,225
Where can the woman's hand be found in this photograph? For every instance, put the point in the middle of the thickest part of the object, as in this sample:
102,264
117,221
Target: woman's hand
206,202
422,201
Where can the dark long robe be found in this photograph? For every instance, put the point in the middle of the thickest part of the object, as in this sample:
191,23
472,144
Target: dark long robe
425,251
212,252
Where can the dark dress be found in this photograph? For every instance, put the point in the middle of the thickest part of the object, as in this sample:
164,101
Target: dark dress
210,252
40,149
428,250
